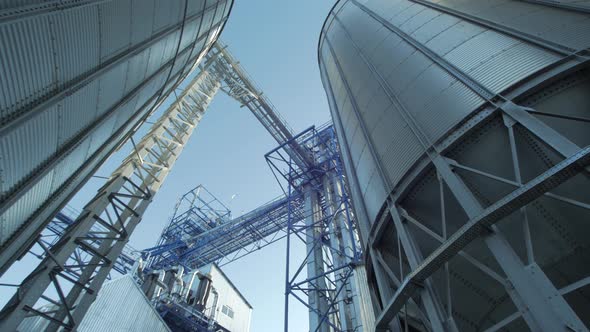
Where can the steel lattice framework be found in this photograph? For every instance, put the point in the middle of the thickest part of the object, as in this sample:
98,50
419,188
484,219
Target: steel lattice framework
315,209
328,231
104,227
56,229
238,85
192,240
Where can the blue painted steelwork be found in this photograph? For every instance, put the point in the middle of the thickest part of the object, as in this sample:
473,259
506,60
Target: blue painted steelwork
201,230
332,276
193,239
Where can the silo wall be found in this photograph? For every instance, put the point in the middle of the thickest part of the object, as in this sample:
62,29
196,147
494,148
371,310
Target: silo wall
445,110
76,79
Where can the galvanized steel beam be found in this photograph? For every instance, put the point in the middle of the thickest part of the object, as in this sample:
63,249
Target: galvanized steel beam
243,89
480,225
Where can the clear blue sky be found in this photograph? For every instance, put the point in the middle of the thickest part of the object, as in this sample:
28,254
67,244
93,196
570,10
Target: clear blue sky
276,42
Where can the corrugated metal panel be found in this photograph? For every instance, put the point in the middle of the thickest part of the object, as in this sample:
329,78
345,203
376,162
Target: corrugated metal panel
77,46
127,109
365,165
223,4
412,66
512,65
112,87
379,103
195,6
454,36
119,306
456,101
356,142
405,12
75,113
152,87
157,55
27,70
367,33
190,32
180,63
104,132
136,69
346,113
6,4
24,149
420,19
497,61
70,164
435,91
396,145
122,306
577,35
171,47
207,19
479,49
374,195
433,27
12,219
559,26
142,29
115,27
167,12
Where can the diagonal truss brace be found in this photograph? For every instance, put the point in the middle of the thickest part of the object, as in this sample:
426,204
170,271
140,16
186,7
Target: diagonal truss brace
479,225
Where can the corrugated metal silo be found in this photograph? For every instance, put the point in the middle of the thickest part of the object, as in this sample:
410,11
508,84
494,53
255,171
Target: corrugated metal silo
464,127
76,79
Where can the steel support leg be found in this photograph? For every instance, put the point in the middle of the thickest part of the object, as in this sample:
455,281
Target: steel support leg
345,307
434,308
543,308
315,264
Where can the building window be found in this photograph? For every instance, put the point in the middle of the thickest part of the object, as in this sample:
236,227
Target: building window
227,311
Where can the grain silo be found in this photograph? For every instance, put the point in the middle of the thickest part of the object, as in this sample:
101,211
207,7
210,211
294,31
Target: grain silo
79,78
464,127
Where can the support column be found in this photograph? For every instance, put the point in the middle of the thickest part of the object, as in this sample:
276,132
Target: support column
345,308
317,297
434,308
541,304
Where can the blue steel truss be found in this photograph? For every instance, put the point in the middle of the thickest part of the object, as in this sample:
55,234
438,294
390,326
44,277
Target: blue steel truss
330,279
202,230
193,239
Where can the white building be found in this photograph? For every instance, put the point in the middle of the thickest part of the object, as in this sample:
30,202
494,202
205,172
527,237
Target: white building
225,303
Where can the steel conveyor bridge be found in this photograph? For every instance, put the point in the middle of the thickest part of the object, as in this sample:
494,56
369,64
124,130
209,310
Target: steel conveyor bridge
185,243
